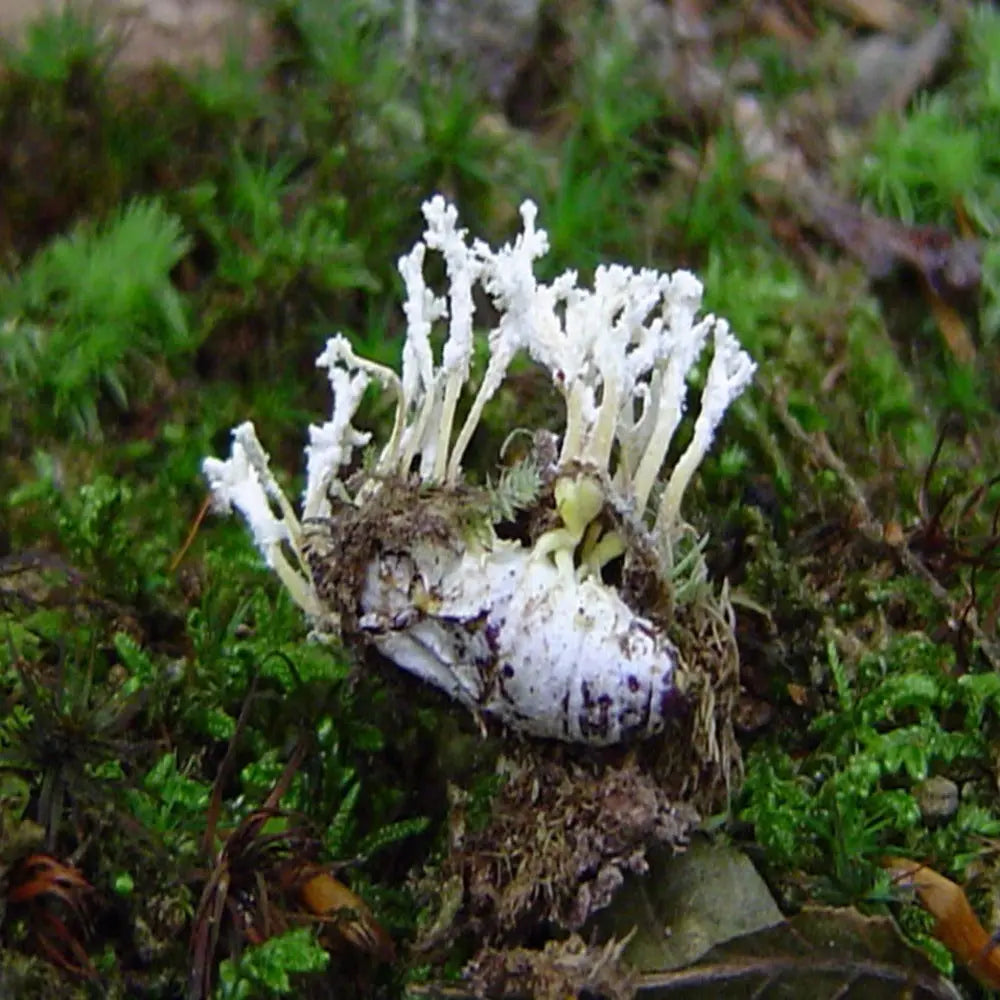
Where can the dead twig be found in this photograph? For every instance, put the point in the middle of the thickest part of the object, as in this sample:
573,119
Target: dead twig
820,450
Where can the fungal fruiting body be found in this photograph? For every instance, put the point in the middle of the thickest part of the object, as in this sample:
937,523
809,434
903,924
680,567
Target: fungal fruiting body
558,629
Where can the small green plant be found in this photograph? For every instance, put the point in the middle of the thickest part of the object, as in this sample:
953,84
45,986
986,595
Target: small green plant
920,167
982,49
57,45
717,206
66,736
596,198
518,488
266,970
94,527
454,151
93,312
342,837
277,245
349,102
171,804
335,47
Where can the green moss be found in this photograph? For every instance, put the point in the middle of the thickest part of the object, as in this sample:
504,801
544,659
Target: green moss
901,717
90,309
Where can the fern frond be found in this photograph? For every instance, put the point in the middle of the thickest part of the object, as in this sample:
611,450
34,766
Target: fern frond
518,489
391,833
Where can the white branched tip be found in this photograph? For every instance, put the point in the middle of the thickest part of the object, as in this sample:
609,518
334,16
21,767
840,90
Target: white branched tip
525,629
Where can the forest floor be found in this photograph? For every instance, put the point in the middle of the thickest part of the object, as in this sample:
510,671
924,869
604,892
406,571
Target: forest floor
198,800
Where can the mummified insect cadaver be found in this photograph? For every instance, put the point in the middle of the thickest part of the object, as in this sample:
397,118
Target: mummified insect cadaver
559,629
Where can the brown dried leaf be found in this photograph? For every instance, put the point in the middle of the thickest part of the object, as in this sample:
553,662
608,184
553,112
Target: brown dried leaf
686,904
953,329
41,875
47,891
823,953
957,927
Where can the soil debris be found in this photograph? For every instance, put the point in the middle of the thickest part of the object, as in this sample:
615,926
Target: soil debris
561,836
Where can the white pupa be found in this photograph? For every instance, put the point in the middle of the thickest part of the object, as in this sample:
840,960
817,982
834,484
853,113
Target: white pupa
529,628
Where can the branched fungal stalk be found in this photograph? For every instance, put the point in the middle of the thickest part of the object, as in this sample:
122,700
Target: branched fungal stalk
525,629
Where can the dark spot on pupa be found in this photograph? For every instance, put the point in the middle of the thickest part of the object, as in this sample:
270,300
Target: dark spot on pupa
633,683
633,716
672,703
492,634
507,670
595,718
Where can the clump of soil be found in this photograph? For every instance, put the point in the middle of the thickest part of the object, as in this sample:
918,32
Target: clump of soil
560,838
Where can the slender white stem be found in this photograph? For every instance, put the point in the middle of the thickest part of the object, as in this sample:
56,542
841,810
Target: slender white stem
414,435
390,453
572,445
728,375
668,416
500,359
452,391
602,437
299,586
670,503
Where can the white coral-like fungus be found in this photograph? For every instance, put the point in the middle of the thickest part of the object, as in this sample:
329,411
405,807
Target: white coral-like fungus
524,629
